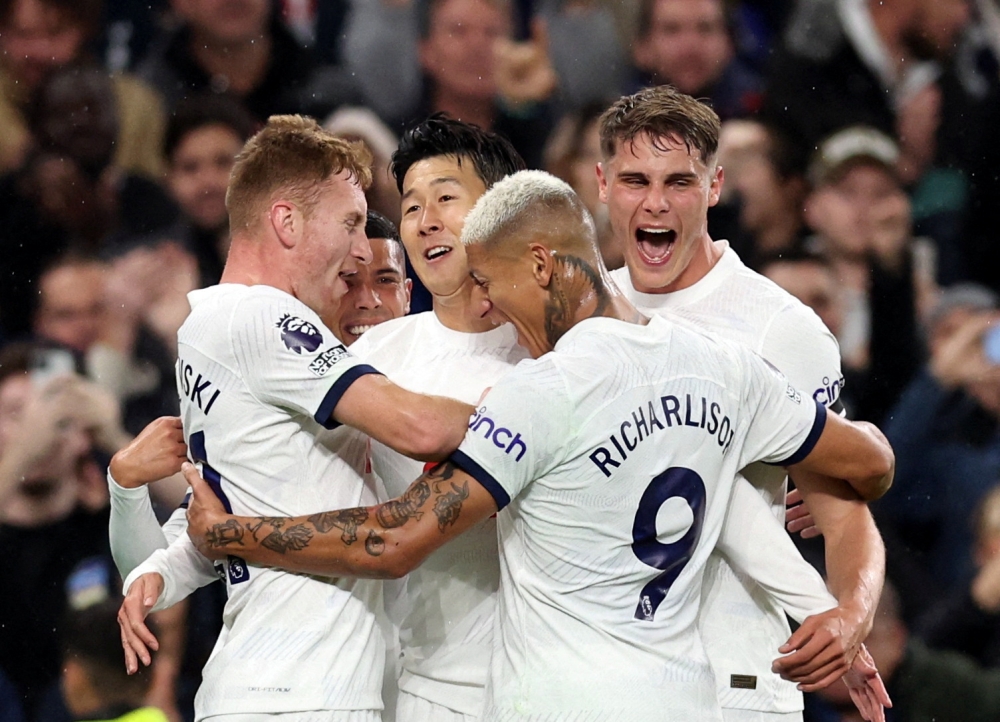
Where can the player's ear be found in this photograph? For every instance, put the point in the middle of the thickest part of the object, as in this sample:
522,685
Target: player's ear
286,222
542,264
602,182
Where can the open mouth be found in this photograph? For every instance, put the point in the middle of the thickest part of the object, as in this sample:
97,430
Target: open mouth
656,245
360,330
432,254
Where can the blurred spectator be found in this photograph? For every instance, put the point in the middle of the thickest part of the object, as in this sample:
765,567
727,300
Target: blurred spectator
94,681
572,153
688,44
362,124
202,140
53,503
471,68
861,217
241,47
945,431
809,278
71,303
39,36
764,189
69,195
969,620
925,685
380,290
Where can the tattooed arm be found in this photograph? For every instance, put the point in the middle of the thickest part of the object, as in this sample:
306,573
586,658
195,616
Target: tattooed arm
384,541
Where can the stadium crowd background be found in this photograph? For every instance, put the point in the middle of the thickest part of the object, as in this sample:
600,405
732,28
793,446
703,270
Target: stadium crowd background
862,175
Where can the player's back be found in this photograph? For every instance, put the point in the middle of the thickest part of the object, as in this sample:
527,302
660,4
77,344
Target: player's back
619,451
257,374
446,629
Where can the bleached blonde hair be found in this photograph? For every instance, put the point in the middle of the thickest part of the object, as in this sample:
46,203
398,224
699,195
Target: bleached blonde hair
511,200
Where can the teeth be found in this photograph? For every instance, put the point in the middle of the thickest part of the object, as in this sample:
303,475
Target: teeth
655,230
436,252
359,330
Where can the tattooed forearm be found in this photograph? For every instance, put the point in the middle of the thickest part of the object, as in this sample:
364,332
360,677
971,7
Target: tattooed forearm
397,512
225,534
374,544
576,289
347,520
449,505
295,538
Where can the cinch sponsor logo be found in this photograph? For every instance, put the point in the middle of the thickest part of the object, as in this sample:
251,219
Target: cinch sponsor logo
299,335
829,392
328,359
502,438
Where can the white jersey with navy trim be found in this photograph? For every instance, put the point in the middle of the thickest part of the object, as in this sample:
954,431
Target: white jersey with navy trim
741,626
259,376
617,454
446,624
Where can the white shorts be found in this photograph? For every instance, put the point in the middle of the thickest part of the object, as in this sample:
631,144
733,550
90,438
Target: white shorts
410,708
751,715
360,715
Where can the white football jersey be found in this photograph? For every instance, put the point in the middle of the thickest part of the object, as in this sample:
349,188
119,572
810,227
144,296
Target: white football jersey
259,376
446,629
617,454
742,627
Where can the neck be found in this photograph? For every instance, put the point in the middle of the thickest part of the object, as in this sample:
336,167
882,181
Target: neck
455,311
579,289
250,264
475,110
243,64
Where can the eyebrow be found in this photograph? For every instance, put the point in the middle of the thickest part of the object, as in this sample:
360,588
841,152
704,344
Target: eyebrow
436,182
388,269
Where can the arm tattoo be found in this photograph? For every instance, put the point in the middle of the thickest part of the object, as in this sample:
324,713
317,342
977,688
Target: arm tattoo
397,512
347,520
575,285
449,505
374,544
295,538
225,534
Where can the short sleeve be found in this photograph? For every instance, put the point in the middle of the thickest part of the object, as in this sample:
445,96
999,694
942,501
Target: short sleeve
288,358
806,352
519,432
784,423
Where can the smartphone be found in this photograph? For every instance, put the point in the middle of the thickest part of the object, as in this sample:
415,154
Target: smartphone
48,363
991,345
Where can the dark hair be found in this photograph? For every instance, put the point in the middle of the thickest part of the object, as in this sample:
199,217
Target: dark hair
662,112
425,10
789,159
85,14
91,638
200,111
492,155
644,18
378,226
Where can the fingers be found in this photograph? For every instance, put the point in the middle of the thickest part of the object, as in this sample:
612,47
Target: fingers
540,32
811,532
137,640
823,677
863,702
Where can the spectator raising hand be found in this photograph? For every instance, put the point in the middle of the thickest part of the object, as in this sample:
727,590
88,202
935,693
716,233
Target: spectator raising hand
523,69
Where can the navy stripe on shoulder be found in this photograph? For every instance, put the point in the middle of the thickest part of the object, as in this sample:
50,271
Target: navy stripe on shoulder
324,414
473,469
814,433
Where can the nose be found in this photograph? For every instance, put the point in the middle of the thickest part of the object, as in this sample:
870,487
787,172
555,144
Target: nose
367,297
361,249
655,200
429,222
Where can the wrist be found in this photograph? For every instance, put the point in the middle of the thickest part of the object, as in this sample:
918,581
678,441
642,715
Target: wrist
119,472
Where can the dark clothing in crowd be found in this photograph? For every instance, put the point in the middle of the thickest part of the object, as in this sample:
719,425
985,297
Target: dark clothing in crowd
739,92
30,239
36,564
294,81
960,625
947,456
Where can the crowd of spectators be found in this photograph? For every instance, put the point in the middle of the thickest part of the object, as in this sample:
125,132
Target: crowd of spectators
862,174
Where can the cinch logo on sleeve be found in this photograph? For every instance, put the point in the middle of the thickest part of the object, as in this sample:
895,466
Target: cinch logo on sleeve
829,392
328,359
501,437
299,335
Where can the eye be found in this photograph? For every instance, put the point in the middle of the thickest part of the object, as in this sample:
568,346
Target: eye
411,209
445,199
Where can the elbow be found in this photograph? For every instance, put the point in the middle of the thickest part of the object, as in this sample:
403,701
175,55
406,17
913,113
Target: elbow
429,442
880,472
387,559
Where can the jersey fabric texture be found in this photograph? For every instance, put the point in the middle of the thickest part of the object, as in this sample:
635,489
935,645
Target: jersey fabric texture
259,376
617,455
448,603
741,626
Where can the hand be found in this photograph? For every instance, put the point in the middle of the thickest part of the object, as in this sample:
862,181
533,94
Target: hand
137,640
959,359
889,229
822,649
798,518
917,121
156,453
210,528
99,414
523,70
47,439
866,687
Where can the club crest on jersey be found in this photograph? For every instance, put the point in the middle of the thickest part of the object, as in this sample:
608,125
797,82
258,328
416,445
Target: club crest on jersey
299,335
